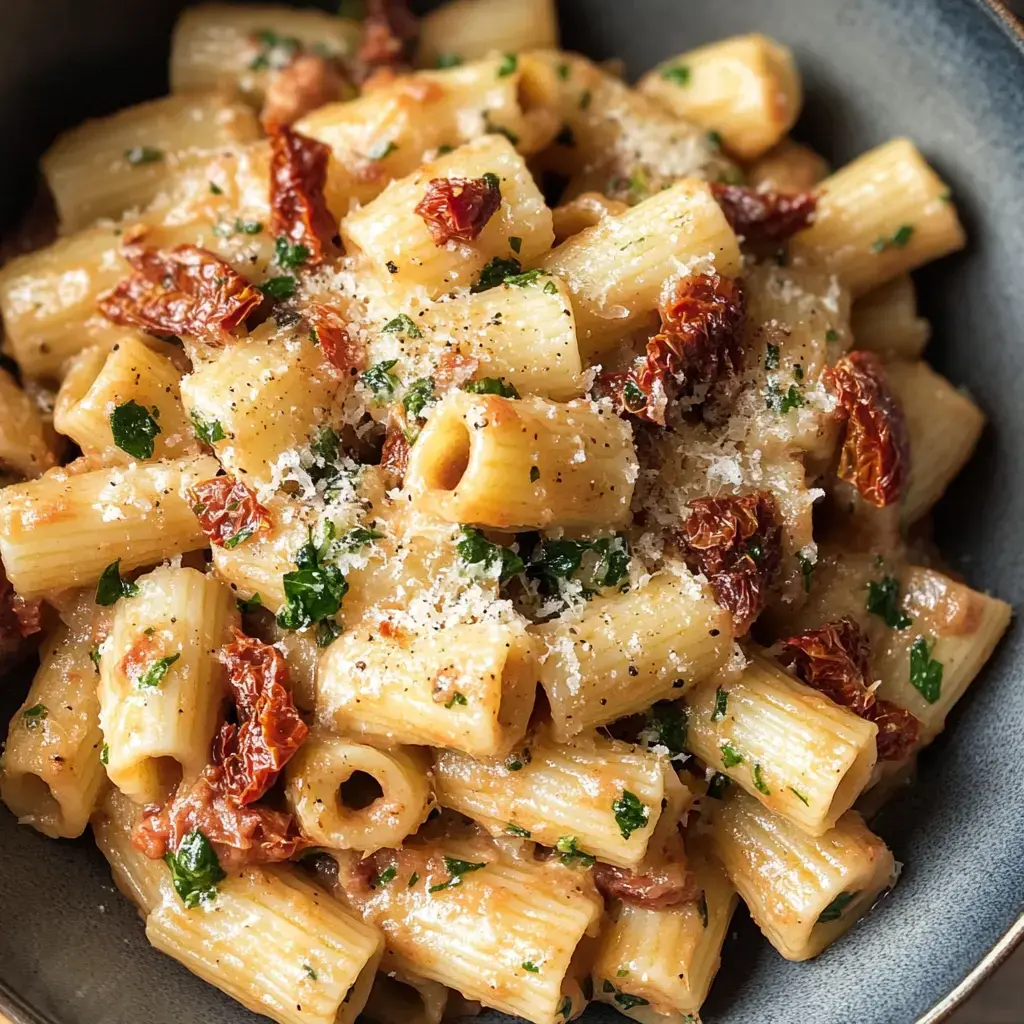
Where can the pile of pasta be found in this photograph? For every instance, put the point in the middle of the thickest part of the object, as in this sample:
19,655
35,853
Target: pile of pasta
473,512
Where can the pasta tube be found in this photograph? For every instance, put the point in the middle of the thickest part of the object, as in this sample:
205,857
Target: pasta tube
803,892
51,773
24,446
351,796
523,464
885,213
471,29
628,651
886,320
787,745
161,685
746,88
559,790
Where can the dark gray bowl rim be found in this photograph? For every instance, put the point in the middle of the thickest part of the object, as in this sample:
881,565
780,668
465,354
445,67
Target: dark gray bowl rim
20,1012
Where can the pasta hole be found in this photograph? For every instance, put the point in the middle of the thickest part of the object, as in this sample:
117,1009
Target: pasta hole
446,469
359,790
28,796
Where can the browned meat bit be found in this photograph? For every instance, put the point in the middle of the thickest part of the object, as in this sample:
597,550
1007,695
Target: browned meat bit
764,217
308,82
298,209
833,659
667,885
340,349
227,510
388,32
240,835
458,208
184,290
698,345
735,542
18,619
875,454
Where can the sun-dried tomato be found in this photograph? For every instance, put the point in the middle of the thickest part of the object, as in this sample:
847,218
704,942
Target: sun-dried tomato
310,81
298,209
394,456
458,208
701,321
185,290
833,659
875,454
764,217
388,31
270,729
646,400
340,349
454,369
898,730
228,511
240,835
665,886
736,542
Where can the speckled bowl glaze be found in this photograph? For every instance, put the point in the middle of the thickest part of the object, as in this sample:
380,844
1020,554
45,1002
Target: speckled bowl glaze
949,73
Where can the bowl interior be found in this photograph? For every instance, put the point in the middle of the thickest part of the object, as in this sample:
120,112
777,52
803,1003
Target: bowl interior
949,74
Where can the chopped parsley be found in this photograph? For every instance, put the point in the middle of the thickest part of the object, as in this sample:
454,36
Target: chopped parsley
491,386
279,288
835,909
759,784
206,430
806,570
402,324
570,853
310,973
677,74
387,875
496,129
94,657
34,715
771,359
566,1007
139,155
215,189
529,965
717,786
494,273
668,719
730,755
486,558
418,396
534,474
380,380
721,705
195,869
515,830
525,279
630,813
457,698
550,288
358,537
714,139
515,243
154,675
448,60
382,149
564,71
313,592
831,335
111,587
327,632
105,754
413,879
275,51
883,601
783,401
799,796
624,999
508,65
289,255
456,869
134,429
249,604
925,671
492,181
585,99
897,240
555,561
517,761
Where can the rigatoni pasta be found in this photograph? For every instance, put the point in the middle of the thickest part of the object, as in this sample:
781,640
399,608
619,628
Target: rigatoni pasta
487,543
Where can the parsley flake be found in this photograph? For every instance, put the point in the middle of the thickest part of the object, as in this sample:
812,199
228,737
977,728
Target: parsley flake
515,830
883,601
207,430
570,853
630,813
721,705
154,675
925,671
387,875
897,240
477,552
289,255
279,288
139,155
195,869
835,909
402,324
111,587
134,429
730,755
494,272
491,386
771,359
677,74
34,715
380,380
529,965
508,65
759,784
456,869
